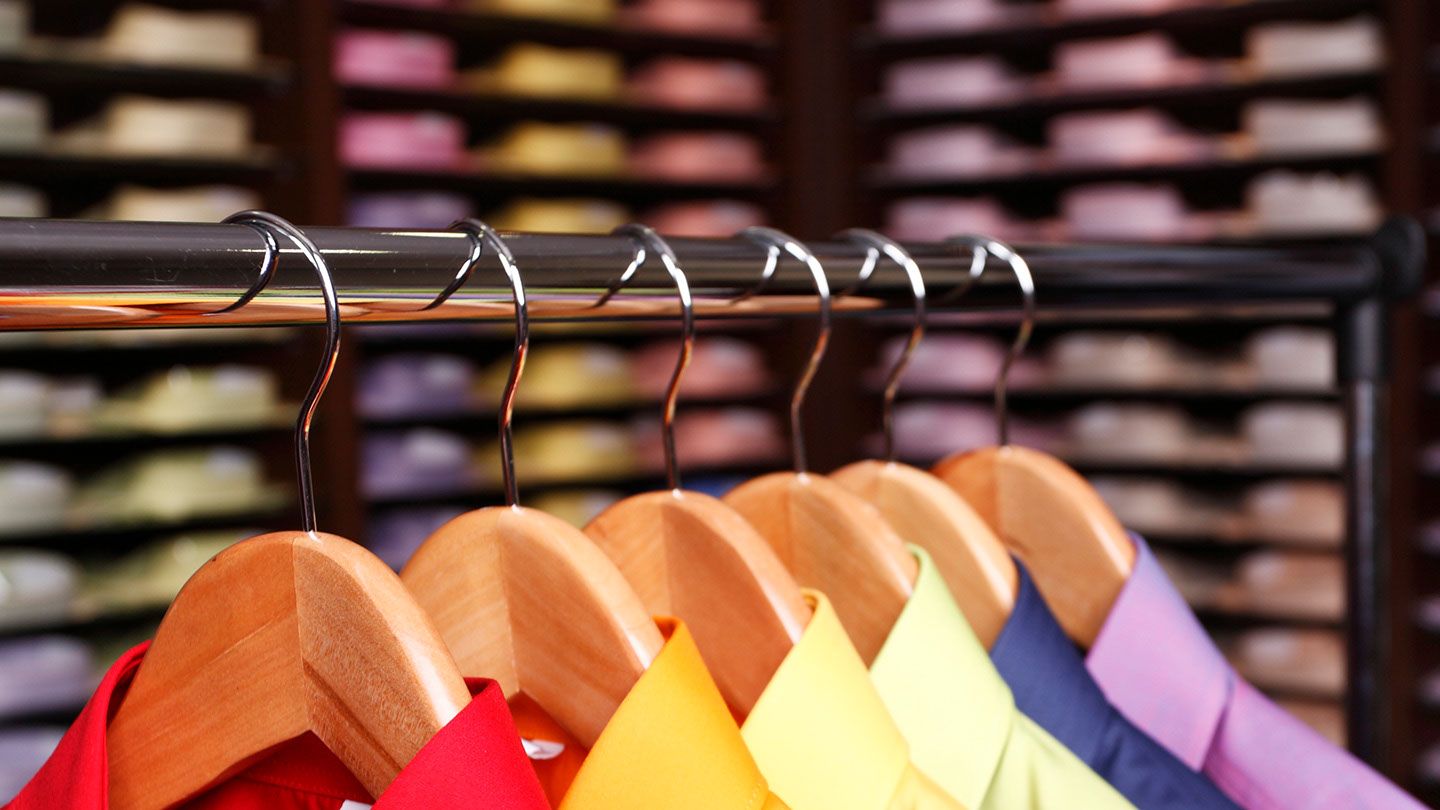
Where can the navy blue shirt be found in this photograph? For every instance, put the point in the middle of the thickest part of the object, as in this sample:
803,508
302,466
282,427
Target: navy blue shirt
1054,689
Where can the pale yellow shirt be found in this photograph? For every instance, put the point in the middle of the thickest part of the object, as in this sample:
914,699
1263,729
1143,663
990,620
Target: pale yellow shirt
960,718
822,737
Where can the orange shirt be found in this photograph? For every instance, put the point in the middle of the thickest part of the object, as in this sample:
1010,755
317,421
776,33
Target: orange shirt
671,744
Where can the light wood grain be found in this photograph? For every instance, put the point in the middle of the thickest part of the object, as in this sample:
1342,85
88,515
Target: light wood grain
689,555
527,599
924,511
835,542
278,635
1056,523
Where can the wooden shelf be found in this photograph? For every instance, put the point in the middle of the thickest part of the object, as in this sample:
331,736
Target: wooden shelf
1045,29
120,535
487,108
50,168
479,26
1057,394
50,73
489,184
1044,104
146,438
482,419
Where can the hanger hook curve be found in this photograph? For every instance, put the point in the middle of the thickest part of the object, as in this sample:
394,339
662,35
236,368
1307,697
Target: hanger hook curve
1026,282
876,245
648,241
480,234
778,242
273,224
267,262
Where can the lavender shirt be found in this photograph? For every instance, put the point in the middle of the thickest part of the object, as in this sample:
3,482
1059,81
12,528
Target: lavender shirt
1156,665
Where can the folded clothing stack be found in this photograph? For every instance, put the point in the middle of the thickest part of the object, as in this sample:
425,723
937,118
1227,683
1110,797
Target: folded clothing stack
962,150
531,69
536,147
40,587
217,39
1125,211
407,209
682,82
946,361
33,405
1287,585
415,385
1308,48
1143,60
581,11
704,218
420,461
576,507
24,120
186,398
926,431
1083,8
33,497
1133,137
22,201
44,674
1284,202
563,451
564,375
1292,357
1159,507
152,127
717,437
1310,513
173,485
920,16
719,367
1091,359
195,204
152,575
1124,432
1306,434
952,80
698,157
394,59
395,534
935,218
14,31
550,215
735,18
1291,659
402,140
1306,127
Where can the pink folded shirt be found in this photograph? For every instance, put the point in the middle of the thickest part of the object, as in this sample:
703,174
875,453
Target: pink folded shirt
713,218
394,59
675,81
722,156
737,18
402,140
1159,668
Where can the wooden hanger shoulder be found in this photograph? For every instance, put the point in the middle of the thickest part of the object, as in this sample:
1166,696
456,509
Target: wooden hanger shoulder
278,635
926,512
833,541
527,599
1056,523
689,555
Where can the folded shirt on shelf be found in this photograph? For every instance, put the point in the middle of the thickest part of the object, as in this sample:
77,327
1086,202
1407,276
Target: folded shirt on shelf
402,140
22,201
40,587
682,82
33,497
422,461
963,426
407,209
23,750
1295,48
1126,211
14,25
214,39
1290,659
733,18
177,484
960,150
1310,513
580,11
140,126
24,404
563,451
1132,138
717,219
921,16
195,204
48,673
720,366
532,69
1308,127
394,59
945,361
952,80
394,534
1308,434
576,507
554,215
1121,432
1095,359
1164,507
718,437
698,156
187,398
536,147
565,375
1285,585
936,218
1085,8
24,120
152,575
1142,60
1292,357
1288,203
416,385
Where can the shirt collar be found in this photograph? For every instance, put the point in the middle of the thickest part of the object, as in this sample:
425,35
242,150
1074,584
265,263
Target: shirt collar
672,743
942,691
1047,675
480,743
1157,665
819,731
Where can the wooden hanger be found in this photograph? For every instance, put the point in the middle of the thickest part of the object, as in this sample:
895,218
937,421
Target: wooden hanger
828,537
919,506
1045,512
279,635
689,555
527,599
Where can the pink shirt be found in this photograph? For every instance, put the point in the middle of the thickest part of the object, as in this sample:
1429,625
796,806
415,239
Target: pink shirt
1157,665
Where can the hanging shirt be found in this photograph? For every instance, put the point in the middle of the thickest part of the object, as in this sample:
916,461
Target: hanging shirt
960,719
671,745
822,735
1159,668
1052,686
475,761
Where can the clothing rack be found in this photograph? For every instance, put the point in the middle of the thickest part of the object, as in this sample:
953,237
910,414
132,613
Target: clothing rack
74,274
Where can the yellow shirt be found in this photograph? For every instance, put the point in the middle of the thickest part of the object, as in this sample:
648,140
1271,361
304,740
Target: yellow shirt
672,745
821,733
960,718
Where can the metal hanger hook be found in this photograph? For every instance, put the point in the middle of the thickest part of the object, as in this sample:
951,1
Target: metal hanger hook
648,241
1026,281
267,262
875,246
777,242
273,224
481,234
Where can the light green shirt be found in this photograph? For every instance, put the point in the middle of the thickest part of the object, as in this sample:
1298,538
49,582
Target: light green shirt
960,718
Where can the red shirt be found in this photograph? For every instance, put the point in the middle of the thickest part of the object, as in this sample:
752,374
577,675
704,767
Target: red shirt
475,761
